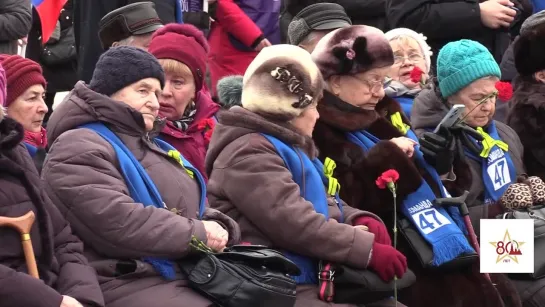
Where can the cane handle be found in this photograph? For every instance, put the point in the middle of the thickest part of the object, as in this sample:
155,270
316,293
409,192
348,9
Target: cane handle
22,224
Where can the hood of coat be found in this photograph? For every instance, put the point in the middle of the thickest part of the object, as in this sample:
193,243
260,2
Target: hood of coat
529,94
428,109
83,106
237,122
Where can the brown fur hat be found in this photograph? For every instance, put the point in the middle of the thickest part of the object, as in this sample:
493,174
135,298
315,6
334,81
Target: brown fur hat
281,82
529,48
352,50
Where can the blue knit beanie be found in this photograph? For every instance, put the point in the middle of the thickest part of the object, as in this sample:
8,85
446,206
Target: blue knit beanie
462,62
122,66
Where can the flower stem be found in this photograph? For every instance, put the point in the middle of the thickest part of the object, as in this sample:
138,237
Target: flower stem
395,238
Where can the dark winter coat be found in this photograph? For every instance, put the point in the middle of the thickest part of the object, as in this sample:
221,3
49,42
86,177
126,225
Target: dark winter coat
527,118
63,269
83,178
249,181
15,23
428,110
87,15
443,21
357,172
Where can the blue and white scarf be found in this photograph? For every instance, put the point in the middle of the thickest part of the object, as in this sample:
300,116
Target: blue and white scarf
443,228
498,170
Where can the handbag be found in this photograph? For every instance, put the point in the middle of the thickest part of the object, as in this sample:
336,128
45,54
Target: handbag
243,276
62,51
424,252
342,284
537,213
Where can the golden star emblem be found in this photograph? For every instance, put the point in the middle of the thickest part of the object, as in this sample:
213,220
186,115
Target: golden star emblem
507,239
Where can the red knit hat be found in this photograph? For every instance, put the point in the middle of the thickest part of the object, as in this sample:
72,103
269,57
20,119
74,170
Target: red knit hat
183,43
21,73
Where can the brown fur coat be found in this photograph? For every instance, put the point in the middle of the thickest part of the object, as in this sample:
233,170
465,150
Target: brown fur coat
357,172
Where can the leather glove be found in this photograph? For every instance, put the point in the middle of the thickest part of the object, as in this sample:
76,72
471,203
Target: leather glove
439,149
462,132
387,262
376,227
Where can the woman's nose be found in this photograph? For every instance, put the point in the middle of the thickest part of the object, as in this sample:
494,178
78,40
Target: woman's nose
42,107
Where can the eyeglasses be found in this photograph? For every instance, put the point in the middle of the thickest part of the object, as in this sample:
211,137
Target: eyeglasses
373,85
487,98
413,57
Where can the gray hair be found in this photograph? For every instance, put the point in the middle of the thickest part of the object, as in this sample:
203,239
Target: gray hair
310,38
126,41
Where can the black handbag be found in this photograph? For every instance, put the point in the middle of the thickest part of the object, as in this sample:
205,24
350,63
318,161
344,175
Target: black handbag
342,284
536,213
424,252
243,276
62,51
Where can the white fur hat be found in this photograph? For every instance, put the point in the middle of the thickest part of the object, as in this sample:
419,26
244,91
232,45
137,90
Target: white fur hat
282,81
418,37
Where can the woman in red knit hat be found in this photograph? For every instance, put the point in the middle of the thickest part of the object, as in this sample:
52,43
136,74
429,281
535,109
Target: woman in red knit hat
25,99
189,110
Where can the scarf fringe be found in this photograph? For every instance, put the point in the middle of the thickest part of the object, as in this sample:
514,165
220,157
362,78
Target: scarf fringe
449,248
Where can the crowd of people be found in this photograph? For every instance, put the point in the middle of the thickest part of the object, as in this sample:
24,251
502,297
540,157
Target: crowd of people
267,123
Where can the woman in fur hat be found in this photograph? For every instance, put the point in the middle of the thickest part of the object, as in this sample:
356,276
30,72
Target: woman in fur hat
528,112
255,154
366,133
411,68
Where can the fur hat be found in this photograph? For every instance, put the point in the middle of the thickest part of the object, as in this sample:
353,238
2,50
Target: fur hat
229,91
529,48
418,37
281,81
352,50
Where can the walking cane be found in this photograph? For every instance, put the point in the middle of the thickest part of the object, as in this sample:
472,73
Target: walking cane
460,202
23,225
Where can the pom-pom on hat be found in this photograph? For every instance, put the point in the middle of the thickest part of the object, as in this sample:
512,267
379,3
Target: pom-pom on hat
122,66
352,50
281,82
529,48
21,73
183,43
461,62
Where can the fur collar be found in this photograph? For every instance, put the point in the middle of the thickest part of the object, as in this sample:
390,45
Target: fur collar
530,94
11,134
346,117
240,117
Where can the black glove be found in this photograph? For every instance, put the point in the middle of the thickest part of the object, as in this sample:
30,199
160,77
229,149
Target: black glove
439,149
462,132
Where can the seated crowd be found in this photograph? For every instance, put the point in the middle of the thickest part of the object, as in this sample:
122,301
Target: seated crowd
137,165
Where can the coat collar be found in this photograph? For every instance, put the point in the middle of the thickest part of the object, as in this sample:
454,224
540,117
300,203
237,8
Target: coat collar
11,134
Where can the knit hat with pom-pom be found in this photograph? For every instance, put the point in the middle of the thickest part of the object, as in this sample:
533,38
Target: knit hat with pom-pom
21,73
183,43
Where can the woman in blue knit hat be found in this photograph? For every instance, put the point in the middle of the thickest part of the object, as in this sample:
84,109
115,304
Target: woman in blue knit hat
492,161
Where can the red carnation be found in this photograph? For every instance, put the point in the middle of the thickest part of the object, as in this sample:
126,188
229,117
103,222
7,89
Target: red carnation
416,75
388,177
505,90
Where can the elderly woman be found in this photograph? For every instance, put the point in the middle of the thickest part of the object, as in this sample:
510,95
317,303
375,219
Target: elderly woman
467,74
255,176
66,279
411,68
135,202
366,134
189,110
528,112
25,99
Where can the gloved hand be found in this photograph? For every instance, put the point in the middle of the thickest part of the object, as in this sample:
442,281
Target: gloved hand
387,262
462,132
439,149
376,227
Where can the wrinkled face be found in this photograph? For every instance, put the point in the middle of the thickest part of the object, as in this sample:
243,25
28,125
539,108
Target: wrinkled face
142,96
363,90
29,109
178,93
407,56
307,120
480,100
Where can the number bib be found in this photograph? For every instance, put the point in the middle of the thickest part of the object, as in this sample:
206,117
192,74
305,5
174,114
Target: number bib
430,220
498,170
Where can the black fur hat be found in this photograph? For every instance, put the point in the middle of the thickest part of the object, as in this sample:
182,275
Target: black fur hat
352,50
529,48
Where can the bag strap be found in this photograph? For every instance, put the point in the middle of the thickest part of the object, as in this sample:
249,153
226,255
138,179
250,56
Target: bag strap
326,288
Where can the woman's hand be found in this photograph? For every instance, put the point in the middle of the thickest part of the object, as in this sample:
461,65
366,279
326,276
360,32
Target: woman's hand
405,144
216,236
